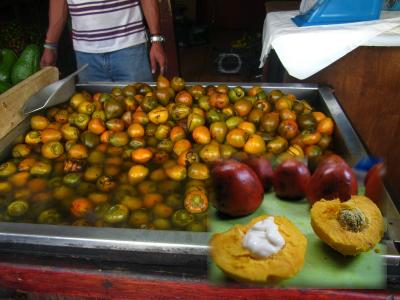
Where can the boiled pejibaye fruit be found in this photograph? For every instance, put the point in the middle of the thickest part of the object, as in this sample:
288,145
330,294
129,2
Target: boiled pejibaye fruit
237,262
349,227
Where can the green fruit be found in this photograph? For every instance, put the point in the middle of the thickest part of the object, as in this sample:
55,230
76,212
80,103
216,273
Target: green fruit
196,226
72,179
113,108
4,86
17,208
49,216
182,218
162,224
89,139
26,64
7,60
116,214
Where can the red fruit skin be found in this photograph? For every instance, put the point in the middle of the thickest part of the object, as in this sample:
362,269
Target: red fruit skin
238,191
333,158
333,178
263,169
374,185
291,179
323,159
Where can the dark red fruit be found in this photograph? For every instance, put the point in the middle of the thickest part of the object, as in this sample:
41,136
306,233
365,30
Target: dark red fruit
238,191
291,179
333,178
263,169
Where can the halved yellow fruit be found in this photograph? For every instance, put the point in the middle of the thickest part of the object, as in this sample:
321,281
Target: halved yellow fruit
237,262
349,227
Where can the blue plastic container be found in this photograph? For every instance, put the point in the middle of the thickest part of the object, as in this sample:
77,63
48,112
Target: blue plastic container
326,12
362,167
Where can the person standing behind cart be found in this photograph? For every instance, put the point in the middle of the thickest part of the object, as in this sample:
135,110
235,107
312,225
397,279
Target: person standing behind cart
110,36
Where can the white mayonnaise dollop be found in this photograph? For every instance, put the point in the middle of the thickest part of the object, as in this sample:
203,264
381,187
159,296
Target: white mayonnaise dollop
263,239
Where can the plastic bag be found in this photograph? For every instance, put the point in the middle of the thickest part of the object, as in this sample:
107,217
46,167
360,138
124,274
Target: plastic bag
306,5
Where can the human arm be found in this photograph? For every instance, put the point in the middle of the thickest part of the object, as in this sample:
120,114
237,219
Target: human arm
157,54
58,12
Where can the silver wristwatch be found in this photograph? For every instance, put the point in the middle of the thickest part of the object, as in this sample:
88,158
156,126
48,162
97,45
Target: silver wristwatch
157,38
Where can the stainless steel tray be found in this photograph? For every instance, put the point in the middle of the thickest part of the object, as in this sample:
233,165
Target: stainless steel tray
169,247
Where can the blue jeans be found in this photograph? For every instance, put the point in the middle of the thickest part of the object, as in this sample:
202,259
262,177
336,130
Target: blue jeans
126,65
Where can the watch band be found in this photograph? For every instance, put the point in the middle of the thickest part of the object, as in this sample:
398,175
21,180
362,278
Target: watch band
52,46
157,38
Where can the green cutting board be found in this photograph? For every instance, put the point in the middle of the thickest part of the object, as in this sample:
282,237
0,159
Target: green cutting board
323,267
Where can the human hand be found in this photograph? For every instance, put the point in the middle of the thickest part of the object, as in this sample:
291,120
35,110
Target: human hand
158,57
49,58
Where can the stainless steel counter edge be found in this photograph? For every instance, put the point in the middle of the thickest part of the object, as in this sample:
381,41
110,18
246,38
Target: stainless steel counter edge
120,239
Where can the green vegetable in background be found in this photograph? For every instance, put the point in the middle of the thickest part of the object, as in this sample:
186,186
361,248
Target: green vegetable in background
7,60
26,64
4,86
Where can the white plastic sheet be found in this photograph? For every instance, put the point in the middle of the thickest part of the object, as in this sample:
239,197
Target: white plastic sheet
304,51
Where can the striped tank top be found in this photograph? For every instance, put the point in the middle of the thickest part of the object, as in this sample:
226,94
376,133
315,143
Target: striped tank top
104,26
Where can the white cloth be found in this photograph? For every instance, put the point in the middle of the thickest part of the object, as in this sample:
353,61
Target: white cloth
304,51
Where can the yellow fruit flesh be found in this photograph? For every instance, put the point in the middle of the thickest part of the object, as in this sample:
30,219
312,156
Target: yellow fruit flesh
236,261
324,221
